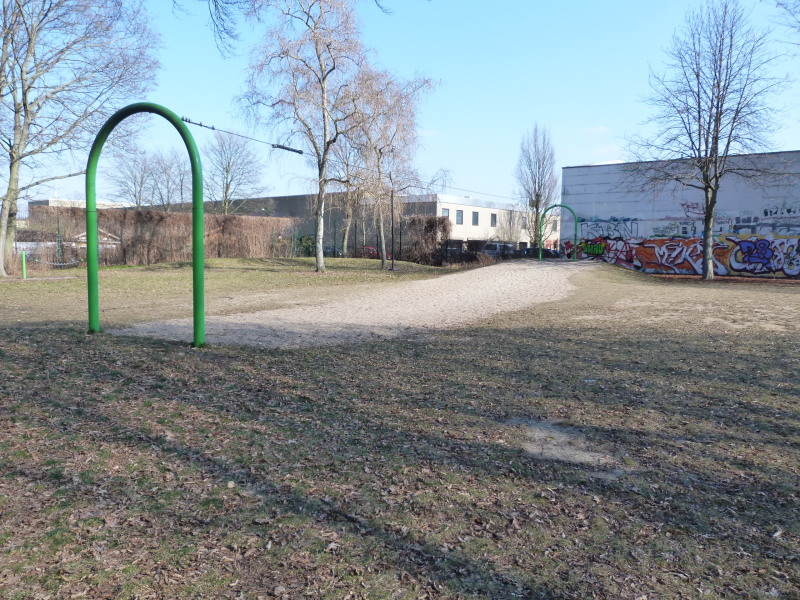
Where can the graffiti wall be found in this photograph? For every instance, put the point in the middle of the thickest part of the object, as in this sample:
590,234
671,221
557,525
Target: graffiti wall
733,255
756,226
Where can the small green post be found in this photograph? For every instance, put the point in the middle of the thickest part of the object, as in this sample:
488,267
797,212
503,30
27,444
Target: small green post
24,266
198,234
59,244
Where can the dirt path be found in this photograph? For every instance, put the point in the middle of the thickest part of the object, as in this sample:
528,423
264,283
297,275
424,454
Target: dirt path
387,311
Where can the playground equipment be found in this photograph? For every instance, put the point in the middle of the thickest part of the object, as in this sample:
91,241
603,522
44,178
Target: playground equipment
541,227
92,260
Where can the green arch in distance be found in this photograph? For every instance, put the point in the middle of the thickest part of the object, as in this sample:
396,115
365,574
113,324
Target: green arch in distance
541,227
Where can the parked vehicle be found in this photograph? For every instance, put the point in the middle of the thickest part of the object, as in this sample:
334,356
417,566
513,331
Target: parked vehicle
331,251
498,250
370,252
366,252
533,252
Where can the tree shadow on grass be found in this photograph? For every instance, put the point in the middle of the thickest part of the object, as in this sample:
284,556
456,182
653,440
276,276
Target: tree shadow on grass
447,572
72,412
325,402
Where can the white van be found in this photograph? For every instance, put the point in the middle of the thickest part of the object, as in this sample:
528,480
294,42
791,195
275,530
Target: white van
498,250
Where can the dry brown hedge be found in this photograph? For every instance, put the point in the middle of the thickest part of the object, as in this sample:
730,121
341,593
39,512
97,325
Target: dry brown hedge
145,237
424,235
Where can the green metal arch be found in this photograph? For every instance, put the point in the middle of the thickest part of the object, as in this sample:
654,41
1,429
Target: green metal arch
92,243
541,227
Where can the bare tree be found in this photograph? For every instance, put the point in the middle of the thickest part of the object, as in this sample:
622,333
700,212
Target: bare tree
232,172
711,104
387,138
311,57
509,226
537,178
65,65
133,178
171,180
373,163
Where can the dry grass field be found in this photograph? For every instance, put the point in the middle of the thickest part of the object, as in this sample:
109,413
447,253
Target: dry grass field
639,439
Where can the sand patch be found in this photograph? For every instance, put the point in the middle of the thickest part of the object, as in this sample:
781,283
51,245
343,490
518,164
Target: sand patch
549,440
367,314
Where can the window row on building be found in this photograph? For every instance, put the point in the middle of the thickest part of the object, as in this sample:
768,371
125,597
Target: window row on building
476,218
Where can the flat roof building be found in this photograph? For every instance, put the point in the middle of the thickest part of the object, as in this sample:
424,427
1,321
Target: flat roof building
756,225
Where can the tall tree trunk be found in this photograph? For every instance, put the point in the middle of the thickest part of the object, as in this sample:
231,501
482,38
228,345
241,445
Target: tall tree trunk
708,234
8,220
348,223
4,214
319,230
4,237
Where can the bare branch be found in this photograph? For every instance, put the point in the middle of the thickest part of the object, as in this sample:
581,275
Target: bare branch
44,180
65,66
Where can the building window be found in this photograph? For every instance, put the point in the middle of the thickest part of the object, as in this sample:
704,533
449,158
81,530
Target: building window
524,222
474,217
459,217
555,225
494,220
445,212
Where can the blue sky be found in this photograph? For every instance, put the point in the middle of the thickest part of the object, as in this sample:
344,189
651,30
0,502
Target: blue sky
578,68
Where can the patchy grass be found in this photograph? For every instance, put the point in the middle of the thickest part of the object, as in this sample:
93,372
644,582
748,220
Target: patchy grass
134,294
133,468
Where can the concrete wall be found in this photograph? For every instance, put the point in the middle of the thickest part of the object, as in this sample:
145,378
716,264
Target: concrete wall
756,229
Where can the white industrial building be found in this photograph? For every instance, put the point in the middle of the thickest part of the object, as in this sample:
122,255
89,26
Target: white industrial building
474,221
756,227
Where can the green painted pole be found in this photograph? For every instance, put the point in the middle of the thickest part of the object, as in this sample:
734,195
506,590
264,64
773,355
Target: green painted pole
24,266
198,291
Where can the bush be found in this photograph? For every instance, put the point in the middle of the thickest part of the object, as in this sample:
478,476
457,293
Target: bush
424,234
305,245
143,237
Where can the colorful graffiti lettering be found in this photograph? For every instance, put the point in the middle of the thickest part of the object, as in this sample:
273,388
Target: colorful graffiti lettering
758,252
678,256
623,253
595,247
761,256
675,256
610,228
792,210
756,256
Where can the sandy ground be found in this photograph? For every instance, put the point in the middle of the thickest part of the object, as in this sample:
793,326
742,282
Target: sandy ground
386,311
